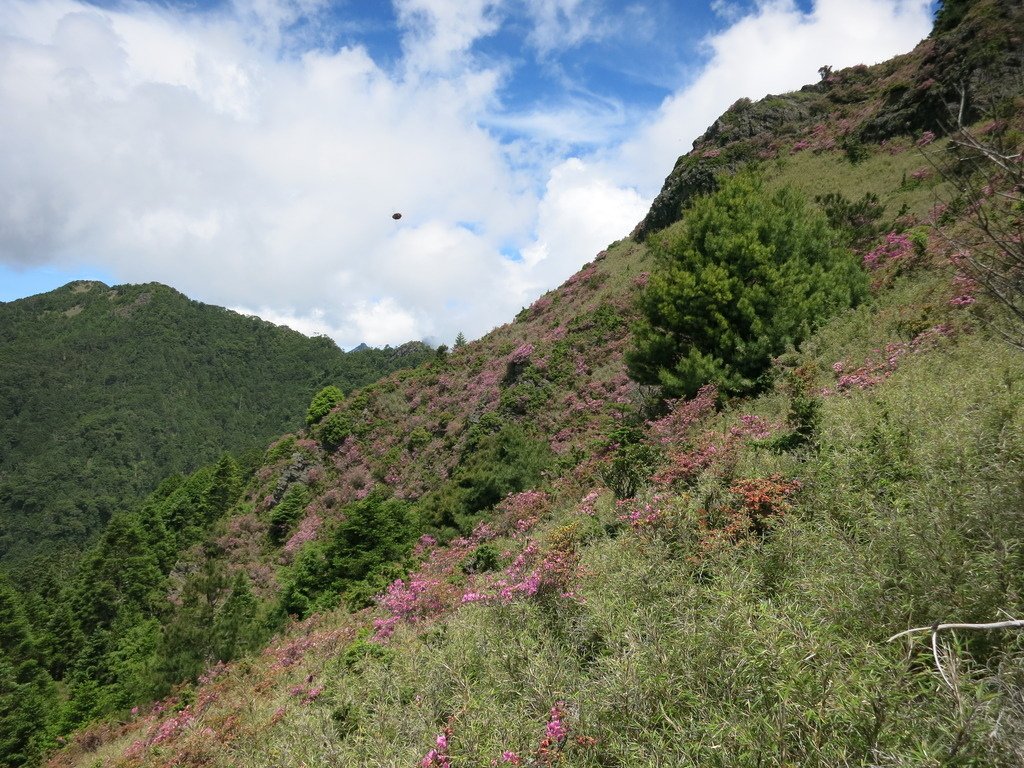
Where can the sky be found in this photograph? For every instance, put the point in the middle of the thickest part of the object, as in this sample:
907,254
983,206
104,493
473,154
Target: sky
251,153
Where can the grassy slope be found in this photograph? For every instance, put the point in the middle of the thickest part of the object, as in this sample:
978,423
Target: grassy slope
734,613
677,646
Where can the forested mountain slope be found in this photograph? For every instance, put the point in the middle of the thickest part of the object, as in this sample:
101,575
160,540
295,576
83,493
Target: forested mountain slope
106,391
524,553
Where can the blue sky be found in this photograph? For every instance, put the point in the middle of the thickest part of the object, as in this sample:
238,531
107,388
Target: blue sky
250,152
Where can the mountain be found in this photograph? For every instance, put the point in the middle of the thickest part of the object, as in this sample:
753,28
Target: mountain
105,391
517,554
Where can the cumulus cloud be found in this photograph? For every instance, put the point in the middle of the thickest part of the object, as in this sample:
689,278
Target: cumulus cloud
440,33
247,168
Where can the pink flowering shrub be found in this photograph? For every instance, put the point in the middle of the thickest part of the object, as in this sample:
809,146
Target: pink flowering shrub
304,694
751,505
964,289
422,598
532,574
522,510
885,361
167,730
685,465
683,415
521,354
438,757
304,533
641,515
588,504
754,427
897,247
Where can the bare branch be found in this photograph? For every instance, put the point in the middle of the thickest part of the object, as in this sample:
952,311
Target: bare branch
936,628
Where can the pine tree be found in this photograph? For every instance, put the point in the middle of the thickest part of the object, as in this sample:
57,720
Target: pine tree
236,627
749,274
323,403
26,691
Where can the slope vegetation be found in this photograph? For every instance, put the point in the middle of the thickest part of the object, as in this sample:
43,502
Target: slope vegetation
517,555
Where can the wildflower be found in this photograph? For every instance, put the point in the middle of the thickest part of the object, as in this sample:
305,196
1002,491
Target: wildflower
439,757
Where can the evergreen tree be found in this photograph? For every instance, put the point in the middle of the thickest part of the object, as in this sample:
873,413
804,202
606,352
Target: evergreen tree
223,490
26,691
323,402
748,274
236,627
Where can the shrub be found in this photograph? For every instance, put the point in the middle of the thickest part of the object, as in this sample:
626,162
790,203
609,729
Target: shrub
749,273
323,403
333,430
287,511
376,533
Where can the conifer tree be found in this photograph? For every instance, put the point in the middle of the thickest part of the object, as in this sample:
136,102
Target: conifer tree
26,691
749,273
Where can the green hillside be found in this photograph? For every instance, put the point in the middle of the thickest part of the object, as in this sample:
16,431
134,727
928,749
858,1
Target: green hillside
524,552
106,391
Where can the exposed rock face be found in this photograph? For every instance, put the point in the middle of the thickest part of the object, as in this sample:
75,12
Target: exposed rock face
686,181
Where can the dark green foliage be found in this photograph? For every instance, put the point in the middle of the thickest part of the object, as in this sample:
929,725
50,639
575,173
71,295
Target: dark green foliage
217,619
485,558
103,625
104,391
25,688
333,430
323,402
748,274
854,149
950,13
375,533
633,460
288,511
362,649
236,627
504,462
495,464
857,222
802,419
460,340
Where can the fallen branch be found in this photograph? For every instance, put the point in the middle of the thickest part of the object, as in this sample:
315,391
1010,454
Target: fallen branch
935,628
1013,624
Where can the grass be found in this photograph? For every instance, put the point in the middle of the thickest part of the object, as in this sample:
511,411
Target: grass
749,652
889,176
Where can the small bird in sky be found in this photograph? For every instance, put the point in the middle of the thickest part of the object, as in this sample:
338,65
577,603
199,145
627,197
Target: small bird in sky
396,216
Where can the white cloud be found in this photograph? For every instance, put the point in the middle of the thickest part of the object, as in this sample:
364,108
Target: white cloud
581,213
440,33
561,24
189,149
